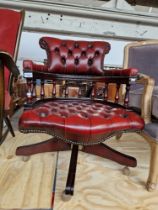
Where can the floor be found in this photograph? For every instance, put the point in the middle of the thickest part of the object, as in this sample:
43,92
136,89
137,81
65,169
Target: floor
100,184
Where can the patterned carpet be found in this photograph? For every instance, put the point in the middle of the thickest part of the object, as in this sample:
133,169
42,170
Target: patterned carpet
100,183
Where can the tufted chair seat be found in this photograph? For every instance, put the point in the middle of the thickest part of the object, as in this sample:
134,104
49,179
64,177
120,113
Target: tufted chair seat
81,123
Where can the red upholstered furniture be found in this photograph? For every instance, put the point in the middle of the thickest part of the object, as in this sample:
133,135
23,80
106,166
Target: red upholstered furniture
81,123
10,30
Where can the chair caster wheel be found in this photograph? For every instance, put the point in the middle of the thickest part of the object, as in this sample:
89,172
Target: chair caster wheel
25,158
66,197
126,171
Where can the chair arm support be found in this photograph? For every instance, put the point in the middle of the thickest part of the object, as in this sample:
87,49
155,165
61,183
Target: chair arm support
146,99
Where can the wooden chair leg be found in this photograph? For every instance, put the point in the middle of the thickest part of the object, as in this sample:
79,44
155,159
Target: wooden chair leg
69,190
50,145
152,183
104,151
1,100
9,125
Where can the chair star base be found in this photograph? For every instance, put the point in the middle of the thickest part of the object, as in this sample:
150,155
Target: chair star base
54,144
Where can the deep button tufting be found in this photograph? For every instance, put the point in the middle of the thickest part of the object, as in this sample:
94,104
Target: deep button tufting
124,115
63,60
76,61
97,53
79,108
70,49
70,105
90,61
107,110
80,124
106,116
95,109
56,50
70,52
83,53
54,110
72,110
84,114
62,107
90,111
64,114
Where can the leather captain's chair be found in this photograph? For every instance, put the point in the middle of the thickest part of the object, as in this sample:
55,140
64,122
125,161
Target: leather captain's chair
82,123
11,23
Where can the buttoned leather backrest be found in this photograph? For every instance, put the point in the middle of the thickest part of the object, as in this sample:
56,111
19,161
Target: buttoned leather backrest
10,22
75,57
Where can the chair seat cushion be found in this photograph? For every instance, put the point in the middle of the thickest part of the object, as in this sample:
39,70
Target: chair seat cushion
78,121
151,130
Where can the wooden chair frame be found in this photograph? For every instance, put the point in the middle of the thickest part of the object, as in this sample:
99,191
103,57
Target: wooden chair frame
146,104
9,61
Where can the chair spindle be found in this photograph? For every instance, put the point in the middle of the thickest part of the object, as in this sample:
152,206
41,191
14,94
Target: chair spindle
29,90
66,89
106,91
42,92
117,93
34,94
54,89
126,99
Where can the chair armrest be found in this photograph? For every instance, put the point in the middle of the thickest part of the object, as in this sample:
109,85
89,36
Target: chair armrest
7,60
146,100
30,65
130,72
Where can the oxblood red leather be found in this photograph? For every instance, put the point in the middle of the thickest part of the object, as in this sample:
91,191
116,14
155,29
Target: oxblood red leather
122,72
28,64
8,37
79,122
75,57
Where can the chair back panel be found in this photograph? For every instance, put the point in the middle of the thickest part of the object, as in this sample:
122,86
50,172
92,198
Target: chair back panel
10,27
78,67
75,57
144,58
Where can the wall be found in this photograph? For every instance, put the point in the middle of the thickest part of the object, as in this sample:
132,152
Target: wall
114,20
